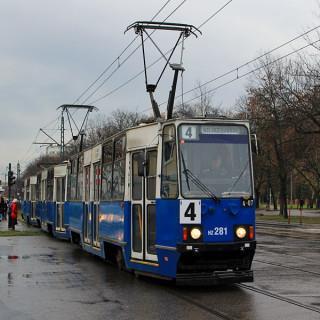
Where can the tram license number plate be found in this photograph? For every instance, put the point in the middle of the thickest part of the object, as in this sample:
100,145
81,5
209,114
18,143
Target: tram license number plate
218,231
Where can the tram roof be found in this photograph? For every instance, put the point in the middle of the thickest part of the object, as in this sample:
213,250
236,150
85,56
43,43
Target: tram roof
142,127
147,133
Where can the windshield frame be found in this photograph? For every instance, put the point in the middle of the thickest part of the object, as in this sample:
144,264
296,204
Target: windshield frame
179,150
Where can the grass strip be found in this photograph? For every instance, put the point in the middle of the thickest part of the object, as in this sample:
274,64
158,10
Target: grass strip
16,233
293,219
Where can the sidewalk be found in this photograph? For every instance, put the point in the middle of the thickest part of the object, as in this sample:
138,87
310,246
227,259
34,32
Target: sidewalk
21,226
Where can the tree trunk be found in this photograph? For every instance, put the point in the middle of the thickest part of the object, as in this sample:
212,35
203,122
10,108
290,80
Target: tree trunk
274,199
283,197
257,198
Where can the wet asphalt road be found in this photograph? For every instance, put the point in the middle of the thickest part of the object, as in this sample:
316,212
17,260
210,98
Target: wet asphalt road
43,278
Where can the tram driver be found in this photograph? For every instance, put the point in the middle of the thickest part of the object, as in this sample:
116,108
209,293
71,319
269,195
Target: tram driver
216,167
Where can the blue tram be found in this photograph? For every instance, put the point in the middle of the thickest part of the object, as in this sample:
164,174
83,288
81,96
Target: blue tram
172,199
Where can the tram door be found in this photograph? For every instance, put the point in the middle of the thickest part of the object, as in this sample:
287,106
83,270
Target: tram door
96,195
33,188
143,207
60,183
87,208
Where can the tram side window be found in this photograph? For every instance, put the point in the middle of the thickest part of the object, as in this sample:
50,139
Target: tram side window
43,189
106,177
80,178
60,196
87,183
169,181
28,193
69,171
152,174
28,190
49,192
38,187
136,179
118,169
33,192
72,180
97,181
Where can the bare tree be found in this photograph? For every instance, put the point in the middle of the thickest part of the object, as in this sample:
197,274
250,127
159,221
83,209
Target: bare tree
268,106
204,107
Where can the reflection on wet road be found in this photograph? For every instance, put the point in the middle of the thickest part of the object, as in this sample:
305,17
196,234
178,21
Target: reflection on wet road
43,278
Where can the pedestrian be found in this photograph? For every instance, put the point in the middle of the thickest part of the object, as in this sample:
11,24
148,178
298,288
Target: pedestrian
3,209
13,214
301,204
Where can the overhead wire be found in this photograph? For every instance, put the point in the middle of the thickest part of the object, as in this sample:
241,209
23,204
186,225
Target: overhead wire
111,64
206,83
95,81
127,58
238,68
117,59
216,78
256,69
251,61
193,89
24,157
154,62
214,14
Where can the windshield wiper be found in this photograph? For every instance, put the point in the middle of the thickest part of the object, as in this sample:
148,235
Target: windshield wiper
185,170
195,180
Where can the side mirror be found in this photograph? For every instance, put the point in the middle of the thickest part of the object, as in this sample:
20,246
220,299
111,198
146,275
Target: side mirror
254,144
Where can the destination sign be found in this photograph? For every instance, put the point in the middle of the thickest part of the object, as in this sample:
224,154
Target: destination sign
223,130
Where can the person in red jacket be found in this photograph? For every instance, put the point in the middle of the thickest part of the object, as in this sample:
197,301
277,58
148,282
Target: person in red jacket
13,214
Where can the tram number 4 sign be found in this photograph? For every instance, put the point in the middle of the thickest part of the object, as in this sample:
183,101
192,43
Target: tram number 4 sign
190,211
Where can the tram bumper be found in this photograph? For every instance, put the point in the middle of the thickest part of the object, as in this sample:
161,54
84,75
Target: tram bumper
214,278
215,263
217,247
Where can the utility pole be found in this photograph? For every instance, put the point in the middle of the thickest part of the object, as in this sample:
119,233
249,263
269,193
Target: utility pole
65,109
11,181
9,184
18,185
18,171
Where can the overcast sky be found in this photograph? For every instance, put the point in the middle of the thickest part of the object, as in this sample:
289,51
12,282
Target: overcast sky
52,50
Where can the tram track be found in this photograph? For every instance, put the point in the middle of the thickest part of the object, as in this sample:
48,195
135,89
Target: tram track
287,267
214,312
224,316
288,234
290,231
278,297
217,313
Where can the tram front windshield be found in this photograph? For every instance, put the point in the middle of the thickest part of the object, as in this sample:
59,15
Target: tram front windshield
214,159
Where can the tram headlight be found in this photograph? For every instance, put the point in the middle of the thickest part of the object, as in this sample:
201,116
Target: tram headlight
241,232
195,233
